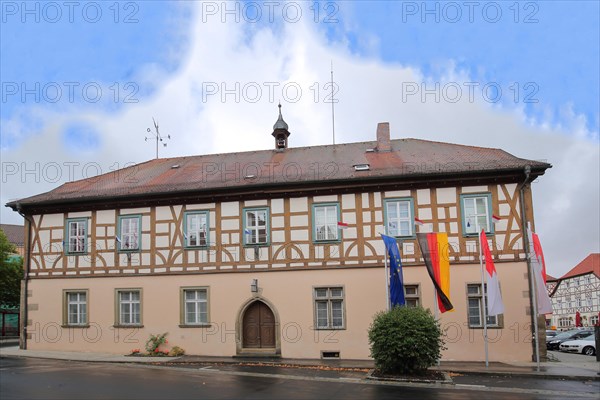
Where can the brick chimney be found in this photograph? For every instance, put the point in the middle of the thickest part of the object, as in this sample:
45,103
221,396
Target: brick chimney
383,137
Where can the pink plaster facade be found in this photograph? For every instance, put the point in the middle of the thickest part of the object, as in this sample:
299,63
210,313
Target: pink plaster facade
292,304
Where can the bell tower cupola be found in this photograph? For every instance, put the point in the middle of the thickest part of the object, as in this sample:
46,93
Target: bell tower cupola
280,132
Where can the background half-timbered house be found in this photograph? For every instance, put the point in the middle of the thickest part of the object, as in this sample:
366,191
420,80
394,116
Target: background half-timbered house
577,291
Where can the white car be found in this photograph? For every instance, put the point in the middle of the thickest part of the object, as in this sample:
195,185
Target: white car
586,345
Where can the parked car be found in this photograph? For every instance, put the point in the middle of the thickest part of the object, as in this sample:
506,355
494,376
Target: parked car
586,345
553,343
550,333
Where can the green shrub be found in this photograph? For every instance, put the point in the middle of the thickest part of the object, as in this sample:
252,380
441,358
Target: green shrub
176,351
405,340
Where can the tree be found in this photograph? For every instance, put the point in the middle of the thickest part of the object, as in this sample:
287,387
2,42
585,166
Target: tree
11,273
405,340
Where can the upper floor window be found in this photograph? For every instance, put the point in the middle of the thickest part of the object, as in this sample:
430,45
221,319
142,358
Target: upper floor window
325,222
399,219
477,213
76,237
256,226
130,230
195,230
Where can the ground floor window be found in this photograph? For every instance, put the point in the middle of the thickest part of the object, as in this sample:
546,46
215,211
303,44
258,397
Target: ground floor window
129,306
195,306
75,307
329,307
475,308
563,322
412,295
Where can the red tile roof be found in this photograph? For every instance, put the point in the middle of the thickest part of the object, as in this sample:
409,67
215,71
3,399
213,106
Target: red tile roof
550,278
14,233
590,264
409,159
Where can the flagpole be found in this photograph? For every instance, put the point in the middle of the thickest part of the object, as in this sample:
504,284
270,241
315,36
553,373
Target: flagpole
387,279
435,308
483,297
534,296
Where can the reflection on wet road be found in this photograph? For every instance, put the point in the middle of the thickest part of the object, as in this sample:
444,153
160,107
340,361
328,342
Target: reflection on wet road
23,378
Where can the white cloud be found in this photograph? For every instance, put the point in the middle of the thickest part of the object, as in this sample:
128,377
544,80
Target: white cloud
226,56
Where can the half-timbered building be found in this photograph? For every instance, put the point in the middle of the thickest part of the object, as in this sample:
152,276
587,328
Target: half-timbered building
243,253
577,291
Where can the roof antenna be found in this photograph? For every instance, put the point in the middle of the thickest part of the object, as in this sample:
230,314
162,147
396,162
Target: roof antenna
156,135
332,104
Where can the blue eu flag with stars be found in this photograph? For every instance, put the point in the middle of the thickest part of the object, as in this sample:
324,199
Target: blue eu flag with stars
396,279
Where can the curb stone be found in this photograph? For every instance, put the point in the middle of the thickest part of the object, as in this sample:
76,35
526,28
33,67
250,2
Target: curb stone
447,379
537,375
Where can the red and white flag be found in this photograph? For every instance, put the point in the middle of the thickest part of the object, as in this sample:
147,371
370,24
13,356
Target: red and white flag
495,219
495,305
418,221
538,264
342,225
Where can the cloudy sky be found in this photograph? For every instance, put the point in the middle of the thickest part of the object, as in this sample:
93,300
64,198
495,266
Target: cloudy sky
81,82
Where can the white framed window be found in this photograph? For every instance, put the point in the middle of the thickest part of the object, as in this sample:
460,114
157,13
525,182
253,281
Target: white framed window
76,235
130,231
564,322
195,305
195,230
475,308
594,320
129,306
329,307
399,217
412,295
75,307
256,226
325,222
476,213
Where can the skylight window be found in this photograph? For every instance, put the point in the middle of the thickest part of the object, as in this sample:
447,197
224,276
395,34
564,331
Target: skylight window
362,167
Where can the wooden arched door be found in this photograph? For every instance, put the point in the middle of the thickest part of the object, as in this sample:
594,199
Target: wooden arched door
258,326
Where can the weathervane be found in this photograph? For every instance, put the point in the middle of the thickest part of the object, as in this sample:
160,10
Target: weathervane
156,135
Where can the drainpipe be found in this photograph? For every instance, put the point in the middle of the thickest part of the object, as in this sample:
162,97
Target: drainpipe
25,287
524,223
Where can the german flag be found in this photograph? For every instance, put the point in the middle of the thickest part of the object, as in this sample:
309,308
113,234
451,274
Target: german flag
434,247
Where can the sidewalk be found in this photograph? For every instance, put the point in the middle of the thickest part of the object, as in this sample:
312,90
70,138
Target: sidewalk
552,370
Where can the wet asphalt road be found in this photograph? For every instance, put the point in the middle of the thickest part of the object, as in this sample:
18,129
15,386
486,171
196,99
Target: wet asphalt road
22,378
